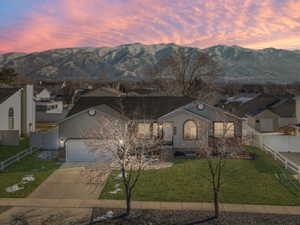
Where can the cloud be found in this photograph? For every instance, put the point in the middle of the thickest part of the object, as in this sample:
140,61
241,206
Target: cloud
69,23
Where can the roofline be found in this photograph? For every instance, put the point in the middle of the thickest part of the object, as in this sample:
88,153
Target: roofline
17,90
182,109
83,111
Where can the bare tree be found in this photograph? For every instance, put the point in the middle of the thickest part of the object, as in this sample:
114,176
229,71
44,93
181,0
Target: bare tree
127,149
223,144
190,72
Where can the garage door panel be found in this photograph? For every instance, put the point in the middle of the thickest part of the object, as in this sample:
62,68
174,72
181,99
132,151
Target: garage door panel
78,150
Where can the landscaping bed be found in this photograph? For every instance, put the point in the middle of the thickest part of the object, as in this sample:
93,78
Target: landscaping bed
27,173
246,182
176,217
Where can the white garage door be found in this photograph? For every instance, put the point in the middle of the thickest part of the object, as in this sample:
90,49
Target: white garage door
266,125
86,151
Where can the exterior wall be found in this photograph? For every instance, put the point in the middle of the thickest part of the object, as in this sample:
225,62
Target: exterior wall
297,99
267,114
82,124
282,122
13,101
9,137
178,140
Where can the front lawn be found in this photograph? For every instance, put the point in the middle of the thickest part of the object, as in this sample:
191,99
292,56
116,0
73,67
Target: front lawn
246,182
9,151
30,165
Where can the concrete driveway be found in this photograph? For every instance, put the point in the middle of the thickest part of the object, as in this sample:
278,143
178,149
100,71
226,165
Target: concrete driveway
70,181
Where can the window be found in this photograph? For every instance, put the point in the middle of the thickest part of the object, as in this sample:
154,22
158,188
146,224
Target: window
143,130
190,130
11,118
222,129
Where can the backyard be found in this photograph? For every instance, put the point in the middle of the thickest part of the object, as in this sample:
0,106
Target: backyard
40,169
259,181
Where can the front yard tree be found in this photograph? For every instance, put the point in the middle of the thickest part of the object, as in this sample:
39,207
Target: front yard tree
127,149
224,143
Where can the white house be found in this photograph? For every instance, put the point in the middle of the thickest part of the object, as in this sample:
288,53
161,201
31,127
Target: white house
44,95
17,113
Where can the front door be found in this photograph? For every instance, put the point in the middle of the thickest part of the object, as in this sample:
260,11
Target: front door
168,131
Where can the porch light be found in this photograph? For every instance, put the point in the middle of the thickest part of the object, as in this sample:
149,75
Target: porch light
121,142
61,141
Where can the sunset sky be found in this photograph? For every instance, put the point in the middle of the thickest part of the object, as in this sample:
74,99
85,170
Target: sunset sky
37,25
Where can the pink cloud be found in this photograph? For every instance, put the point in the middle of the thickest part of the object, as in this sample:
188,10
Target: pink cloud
249,23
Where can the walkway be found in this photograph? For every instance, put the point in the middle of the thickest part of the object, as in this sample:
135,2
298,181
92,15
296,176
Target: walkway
81,204
70,181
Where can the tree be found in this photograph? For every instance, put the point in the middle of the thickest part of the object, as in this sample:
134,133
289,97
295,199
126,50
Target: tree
119,140
7,75
224,144
191,72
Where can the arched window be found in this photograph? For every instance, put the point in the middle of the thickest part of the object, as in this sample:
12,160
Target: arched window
11,118
190,130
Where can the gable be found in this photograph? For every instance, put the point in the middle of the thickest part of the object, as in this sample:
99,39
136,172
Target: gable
5,93
266,114
100,109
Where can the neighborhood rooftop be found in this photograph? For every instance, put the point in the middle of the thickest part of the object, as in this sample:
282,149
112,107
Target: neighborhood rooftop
150,107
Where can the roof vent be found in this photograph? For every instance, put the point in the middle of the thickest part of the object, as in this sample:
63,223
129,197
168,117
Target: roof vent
200,106
92,112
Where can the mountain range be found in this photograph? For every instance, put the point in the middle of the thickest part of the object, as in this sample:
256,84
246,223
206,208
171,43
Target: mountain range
130,62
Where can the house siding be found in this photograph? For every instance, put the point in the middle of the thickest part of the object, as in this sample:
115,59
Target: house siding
13,101
179,142
83,124
267,114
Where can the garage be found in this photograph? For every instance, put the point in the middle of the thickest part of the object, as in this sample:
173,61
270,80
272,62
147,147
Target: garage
266,125
86,151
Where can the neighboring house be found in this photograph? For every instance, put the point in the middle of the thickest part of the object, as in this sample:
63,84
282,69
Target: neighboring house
103,91
43,95
17,110
50,106
184,123
296,125
264,113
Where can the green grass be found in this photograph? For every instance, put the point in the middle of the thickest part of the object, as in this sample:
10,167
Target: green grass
246,182
9,151
30,165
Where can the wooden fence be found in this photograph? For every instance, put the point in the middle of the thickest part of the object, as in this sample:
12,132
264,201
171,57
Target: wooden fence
4,164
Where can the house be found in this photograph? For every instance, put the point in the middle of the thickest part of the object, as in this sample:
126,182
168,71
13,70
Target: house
263,112
17,110
183,122
43,95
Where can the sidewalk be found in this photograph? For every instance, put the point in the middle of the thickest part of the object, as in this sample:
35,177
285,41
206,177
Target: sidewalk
76,203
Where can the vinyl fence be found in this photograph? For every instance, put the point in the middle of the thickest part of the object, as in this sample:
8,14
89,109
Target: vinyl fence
16,157
45,140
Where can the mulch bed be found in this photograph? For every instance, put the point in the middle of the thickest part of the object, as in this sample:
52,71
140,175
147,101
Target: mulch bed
169,217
